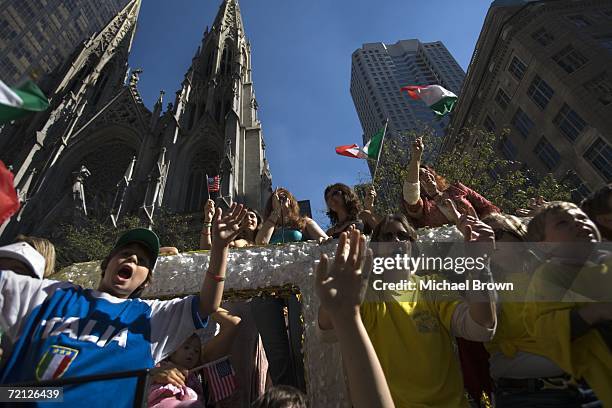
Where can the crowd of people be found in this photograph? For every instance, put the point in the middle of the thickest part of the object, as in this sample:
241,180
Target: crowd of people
548,343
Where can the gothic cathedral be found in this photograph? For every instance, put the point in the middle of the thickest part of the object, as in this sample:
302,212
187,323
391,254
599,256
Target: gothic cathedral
99,151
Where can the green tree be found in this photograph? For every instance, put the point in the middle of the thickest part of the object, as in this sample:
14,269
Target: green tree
481,167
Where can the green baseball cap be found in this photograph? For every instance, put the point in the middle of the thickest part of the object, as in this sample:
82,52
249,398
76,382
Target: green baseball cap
144,237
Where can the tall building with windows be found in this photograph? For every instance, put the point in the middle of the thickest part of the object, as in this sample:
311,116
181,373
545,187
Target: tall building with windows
36,37
379,71
543,70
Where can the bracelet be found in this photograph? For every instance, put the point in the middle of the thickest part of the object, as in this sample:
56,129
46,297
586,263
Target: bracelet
217,278
207,224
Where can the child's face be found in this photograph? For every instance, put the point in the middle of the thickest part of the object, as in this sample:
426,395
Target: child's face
126,271
571,225
188,355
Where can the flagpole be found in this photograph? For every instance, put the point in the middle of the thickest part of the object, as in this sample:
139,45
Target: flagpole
382,142
207,186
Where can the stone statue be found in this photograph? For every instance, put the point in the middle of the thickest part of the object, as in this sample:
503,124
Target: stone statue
78,188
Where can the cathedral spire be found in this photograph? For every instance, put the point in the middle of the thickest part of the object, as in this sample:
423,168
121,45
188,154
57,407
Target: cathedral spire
229,17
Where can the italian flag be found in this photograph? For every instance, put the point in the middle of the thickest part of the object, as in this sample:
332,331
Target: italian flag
440,100
18,102
370,151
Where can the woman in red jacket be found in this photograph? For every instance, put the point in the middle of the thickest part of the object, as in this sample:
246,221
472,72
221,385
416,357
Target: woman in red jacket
428,198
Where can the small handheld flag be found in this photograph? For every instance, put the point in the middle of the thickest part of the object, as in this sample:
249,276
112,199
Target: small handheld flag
221,379
439,99
18,102
214,184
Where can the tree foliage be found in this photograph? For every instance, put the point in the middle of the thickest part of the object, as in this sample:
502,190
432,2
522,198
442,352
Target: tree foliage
508,184
92,238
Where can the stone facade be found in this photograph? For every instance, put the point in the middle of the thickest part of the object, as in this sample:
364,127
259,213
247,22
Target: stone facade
542,69
99,149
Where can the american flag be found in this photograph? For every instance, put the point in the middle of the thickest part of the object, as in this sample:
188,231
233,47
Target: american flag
221,379
213,184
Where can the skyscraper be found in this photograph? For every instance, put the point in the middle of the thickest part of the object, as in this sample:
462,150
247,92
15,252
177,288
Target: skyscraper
36,37
543,71
380,70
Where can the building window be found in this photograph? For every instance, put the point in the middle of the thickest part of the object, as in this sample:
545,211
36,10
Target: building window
508,148
569,123
542,37
488,124
522,122
540,92
547,153
517,68
605,41
502,99
599,155
601,88
569,59
579,21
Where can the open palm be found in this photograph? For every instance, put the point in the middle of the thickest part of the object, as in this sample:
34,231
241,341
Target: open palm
227,227
340,283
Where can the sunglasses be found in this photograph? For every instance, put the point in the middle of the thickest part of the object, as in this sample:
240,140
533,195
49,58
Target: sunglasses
393,236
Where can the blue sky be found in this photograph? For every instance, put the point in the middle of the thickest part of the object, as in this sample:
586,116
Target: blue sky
301,60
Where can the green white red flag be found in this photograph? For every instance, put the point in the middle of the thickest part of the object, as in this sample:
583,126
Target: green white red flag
18,102
439,99
370,150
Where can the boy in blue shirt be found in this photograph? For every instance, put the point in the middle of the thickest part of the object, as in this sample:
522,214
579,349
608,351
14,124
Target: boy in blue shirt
61,330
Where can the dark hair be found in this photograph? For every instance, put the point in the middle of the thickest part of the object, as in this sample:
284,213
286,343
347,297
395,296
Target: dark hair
351,202
294,219
242,235
441,182
376,234
537,226
138,291
281,396
596,204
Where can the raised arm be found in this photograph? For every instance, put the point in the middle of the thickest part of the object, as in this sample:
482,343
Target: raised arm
267,229
314,231
205,235
411,189
225,229
340,285
482,307
368,215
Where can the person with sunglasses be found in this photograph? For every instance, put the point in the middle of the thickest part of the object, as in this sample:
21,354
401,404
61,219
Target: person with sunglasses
412,331
343,209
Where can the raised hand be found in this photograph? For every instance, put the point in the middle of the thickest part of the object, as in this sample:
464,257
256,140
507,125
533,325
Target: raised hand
369,199
417,148
474,230
209,210
340,283
453,213
227,227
